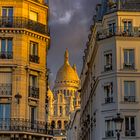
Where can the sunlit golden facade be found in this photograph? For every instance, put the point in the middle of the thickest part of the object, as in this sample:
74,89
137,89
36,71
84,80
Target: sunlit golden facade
64,99
24,42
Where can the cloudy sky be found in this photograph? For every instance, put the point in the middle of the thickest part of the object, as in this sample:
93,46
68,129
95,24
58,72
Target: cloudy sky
70,22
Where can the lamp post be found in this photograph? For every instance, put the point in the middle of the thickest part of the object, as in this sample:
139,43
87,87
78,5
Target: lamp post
118,123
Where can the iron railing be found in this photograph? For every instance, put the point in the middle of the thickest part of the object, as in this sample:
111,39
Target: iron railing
33,92
109,133
129,66
59,132
118,31
23,125
130,132
34,58
109,100
5,89
123,5
22,22
6,55
129,98
108,67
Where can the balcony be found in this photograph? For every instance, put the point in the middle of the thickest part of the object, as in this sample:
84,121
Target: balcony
21,22
129,66
22,125
33,92
130,133
108,67
118,31
109,133
5,89
6,55
109,100
59,132
127,5
34,58
129,98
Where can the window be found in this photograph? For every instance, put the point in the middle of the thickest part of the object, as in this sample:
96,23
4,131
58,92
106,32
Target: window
65,92
59,124
34,52
129,91
5,84
61,110
67,110
33,87
33,15
109,126
4,111
108,89
65,124
127,26
61,99
33,116
5,116
129,59
130,126
7,16
112,28
108,62
6,48
53,124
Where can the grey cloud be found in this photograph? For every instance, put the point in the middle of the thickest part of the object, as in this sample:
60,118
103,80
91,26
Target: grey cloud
69,22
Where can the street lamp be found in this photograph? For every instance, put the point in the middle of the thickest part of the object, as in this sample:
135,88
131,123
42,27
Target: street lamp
118,123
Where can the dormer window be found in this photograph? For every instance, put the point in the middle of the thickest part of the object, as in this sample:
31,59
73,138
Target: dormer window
33,15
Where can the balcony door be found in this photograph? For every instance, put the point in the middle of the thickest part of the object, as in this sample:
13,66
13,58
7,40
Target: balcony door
7,16
33,117
4,116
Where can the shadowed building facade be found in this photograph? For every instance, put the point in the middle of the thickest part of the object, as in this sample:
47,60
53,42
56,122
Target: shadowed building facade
110,76
64,99
24,42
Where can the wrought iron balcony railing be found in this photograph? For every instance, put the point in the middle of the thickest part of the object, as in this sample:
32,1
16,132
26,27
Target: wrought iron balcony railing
109,100
123,5
33,92
109,133
23,125
129,98
59,132
5,89
108,67
129,66
34,58
118,31
130,132
6,55
21,22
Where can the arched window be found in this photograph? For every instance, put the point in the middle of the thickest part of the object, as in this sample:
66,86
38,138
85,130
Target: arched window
61,110
61,98
53,124
65,92
68,93
67,110
59,124
65,124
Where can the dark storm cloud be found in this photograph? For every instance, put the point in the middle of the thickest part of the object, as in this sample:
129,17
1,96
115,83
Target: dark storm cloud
69,22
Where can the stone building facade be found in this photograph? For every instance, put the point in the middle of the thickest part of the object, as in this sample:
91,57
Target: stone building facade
110,76
24,43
